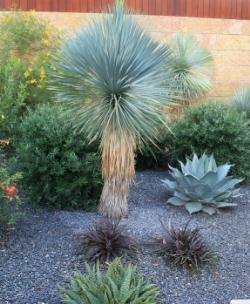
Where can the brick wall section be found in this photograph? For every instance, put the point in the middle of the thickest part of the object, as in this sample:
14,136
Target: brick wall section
227,39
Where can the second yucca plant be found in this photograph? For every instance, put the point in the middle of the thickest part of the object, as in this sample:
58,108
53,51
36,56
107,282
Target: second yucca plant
191,64
114,77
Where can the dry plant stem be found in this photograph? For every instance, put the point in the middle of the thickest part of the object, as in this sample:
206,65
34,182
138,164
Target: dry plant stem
118,171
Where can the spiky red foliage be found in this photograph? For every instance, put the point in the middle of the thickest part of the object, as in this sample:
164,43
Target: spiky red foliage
185,247
106,240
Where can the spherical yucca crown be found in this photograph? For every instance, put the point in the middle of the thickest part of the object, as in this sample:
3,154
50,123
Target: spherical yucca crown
191,66
115,77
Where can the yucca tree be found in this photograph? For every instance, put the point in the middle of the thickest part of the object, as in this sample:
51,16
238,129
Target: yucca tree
191,65
116,80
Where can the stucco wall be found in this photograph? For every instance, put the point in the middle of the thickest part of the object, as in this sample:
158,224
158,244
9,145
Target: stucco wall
228,40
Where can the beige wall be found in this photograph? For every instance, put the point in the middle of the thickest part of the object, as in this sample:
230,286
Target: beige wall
228,40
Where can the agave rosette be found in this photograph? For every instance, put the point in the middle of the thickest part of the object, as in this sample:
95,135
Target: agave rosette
201,185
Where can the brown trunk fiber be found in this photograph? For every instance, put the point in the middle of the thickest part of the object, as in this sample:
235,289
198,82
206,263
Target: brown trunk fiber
118,170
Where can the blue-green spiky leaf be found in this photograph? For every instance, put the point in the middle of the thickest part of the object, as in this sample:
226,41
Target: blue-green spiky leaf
201,185
114,77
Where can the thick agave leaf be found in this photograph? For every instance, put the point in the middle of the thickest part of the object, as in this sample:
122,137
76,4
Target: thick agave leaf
210,178
170,185
175,173
176,201
211,163
225,205
209,210
225,195
202,190
182,196
201,168
226,184
193,207
222,172
188,182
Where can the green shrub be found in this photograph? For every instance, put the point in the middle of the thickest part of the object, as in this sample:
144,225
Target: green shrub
119,285
26,47
59,169
201,185
9,200
215,129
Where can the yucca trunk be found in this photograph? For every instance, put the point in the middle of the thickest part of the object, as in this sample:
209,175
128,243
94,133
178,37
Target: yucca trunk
118,171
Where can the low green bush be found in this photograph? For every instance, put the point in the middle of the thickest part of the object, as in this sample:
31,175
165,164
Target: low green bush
120,285
59,169
215,129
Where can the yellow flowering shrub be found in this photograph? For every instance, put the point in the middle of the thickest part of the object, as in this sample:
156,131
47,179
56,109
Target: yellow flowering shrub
26,47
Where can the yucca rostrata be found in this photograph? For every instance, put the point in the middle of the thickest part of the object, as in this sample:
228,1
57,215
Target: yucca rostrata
192,68
116,79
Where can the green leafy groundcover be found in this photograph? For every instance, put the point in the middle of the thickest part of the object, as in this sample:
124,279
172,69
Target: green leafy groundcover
59,169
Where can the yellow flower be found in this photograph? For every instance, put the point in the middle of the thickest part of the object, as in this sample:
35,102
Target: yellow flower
45,42
33,81
42,73
27,74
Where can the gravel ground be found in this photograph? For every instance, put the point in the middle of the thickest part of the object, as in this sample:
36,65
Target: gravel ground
40,253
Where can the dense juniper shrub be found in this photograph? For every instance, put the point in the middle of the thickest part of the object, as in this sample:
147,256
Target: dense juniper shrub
216,129
59,169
